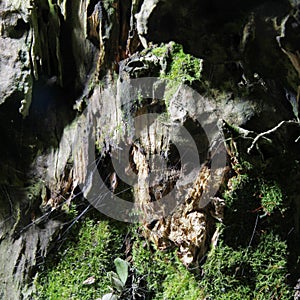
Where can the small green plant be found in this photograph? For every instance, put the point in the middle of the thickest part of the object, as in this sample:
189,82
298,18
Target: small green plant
118,279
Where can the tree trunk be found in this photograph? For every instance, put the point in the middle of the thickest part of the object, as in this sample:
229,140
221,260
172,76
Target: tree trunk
69,81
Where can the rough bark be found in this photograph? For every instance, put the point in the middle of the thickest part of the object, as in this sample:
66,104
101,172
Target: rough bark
54,57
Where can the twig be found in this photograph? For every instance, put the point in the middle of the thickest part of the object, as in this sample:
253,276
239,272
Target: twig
262,134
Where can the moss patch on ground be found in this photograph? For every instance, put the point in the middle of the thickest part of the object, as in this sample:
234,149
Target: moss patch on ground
164,275
249,261
153,274
257,272
90,254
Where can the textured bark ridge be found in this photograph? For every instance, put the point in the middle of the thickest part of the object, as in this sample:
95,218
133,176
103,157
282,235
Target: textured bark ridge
60,58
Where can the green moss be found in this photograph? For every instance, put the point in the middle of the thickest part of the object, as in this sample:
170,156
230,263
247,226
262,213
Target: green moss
160,51
180,284
90,254
165,276
271,197
248,273
180,67
240,196
250,260
70,210
183,68
153,274
254,194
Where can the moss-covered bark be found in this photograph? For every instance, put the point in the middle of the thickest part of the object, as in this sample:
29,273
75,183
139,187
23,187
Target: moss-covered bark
242,59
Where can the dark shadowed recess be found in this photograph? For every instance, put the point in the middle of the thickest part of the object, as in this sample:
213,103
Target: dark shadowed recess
24,138
213,30
191,20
